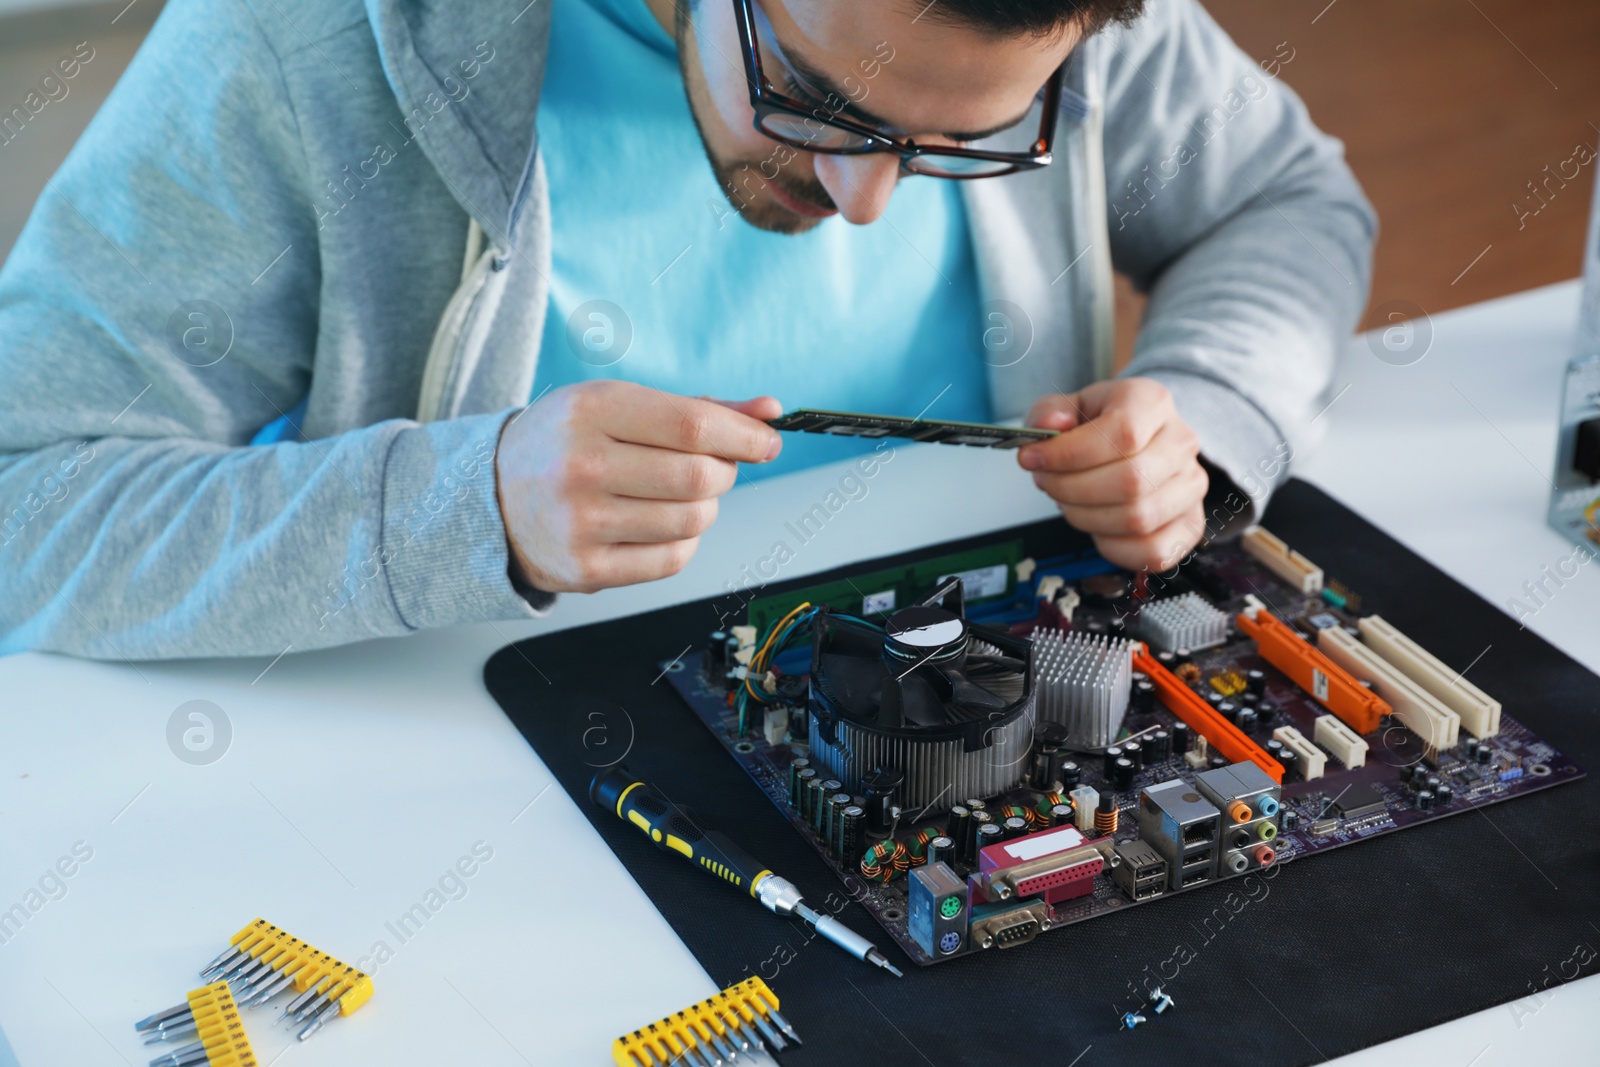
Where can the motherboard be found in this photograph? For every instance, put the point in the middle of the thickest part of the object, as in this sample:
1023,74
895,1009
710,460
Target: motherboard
986,746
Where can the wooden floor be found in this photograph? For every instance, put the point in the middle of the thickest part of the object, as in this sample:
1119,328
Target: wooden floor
1448,109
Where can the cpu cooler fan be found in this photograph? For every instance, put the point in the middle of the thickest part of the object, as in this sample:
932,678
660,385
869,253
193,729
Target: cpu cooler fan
946,702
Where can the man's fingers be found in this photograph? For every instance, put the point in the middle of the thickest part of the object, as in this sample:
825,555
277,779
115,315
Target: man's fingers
762,407
1148,513
1173,448
608,566
629,412
626,469
1120,433
622,520
1159,551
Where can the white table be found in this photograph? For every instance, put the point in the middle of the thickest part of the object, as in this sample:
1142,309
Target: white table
356,777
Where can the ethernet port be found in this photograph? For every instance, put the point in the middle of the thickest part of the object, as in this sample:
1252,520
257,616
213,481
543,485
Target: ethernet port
1200,833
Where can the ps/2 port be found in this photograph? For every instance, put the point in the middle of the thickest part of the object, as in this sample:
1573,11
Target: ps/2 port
950,907
950,941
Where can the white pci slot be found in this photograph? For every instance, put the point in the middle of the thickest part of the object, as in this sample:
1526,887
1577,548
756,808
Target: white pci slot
1313,761
1480,713
1347,746
1437,726
1283,561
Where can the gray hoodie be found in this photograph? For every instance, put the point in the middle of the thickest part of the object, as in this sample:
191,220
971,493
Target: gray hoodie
341,203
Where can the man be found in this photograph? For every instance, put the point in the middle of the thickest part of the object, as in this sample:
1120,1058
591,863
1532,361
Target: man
264,227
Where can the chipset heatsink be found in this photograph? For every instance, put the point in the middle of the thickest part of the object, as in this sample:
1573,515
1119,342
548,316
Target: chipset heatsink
1186,621
1083,682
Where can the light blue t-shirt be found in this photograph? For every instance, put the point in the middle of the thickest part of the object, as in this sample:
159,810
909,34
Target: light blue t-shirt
656,280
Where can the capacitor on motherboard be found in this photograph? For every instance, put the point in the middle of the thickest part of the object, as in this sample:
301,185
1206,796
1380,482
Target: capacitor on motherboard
1157,746
1444,794
1228,710
1142,695
1113,754
802,796
989,833
1485,754
1182,739
1214,698
1274,748
795,767
1167,660
1014,826
1290,819
1469,749
957,827
824,795
852,833
1122,774
1071,775
941,850
1424,800
1256,681
1133,751
1289,760
1247,720
1105,815
1048,739
1431,785
967,847
830,823
816,800
1266,714
879,787
1060,814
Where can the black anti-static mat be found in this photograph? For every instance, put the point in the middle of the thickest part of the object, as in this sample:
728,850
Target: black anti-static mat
1333,953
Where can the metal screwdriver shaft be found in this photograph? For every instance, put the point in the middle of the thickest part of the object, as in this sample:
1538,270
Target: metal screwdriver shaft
673,829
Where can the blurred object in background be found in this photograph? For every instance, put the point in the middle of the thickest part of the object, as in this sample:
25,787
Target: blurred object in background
1464,120
42,110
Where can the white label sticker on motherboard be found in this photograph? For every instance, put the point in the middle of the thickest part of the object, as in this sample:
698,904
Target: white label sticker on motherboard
1319,684
985,581
878,603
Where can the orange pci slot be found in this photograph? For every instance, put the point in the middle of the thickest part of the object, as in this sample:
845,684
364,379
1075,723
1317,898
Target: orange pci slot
1307,667
1187,705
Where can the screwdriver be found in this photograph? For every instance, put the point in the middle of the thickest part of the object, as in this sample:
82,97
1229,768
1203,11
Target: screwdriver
672,828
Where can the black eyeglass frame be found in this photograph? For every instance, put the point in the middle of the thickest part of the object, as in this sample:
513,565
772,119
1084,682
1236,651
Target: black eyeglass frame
767,100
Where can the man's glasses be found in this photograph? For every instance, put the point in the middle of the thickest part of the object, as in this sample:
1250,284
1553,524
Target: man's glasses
818,127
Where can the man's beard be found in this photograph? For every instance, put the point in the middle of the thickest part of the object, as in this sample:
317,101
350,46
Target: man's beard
743,180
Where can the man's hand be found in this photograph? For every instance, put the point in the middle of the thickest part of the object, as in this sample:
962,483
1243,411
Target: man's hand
1124,468
608,483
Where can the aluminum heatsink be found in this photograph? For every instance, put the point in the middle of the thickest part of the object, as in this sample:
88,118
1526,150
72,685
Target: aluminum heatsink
1082,681
1187,621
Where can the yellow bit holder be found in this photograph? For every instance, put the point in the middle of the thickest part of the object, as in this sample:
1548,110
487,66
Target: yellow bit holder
216,1017
311,966
665,1040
